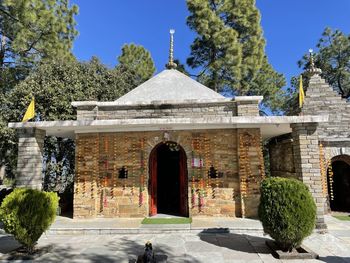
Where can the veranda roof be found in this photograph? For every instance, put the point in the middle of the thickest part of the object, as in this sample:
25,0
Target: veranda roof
270,126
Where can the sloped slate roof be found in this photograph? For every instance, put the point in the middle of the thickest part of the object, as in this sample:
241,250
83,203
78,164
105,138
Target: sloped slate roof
169,85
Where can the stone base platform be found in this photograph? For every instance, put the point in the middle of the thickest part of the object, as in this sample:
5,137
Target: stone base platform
106,226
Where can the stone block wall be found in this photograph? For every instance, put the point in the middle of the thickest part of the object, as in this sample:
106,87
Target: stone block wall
281,157
307,164
336,148
247,108
30,158
98,192
240,106
224,109
321,99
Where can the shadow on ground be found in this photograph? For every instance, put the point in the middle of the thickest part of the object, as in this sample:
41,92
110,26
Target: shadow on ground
126,247
335,259
7,244
121,250
238,242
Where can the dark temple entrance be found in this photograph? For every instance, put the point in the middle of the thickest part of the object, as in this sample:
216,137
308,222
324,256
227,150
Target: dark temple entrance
341,184
168,180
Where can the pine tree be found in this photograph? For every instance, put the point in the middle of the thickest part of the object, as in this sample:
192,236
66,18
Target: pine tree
35,29
55,84
229,48
30,31
137,60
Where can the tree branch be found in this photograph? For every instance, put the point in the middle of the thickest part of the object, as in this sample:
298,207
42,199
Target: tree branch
26,26
9,15
32,45
340,87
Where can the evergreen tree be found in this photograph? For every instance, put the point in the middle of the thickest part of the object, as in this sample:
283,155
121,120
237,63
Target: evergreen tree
35,29
269,83
229,48
138,60
55,84
181,67
291,104
30,30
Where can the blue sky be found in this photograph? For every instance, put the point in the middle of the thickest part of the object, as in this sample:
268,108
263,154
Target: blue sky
290,27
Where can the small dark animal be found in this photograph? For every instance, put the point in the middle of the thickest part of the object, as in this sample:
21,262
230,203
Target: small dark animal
148,255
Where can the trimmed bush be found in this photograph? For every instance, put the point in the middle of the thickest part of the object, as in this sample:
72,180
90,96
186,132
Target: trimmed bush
287,211
27,214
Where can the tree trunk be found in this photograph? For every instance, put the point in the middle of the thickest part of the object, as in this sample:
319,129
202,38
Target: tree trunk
2,51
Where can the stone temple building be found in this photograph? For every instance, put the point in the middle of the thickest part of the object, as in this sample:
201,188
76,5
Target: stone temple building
173,146
333,139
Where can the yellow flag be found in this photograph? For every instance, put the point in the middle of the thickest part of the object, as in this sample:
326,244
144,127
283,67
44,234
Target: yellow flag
30,111
301,92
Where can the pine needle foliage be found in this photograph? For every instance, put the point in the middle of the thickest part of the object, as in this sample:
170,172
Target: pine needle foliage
137,60
229,50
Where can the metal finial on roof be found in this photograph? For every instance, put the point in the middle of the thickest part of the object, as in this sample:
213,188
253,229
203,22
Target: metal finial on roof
171,64
312,68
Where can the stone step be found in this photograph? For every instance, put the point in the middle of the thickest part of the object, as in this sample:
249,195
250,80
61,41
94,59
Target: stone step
156,229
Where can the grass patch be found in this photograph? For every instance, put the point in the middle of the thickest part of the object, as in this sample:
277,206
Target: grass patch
343,218
148,221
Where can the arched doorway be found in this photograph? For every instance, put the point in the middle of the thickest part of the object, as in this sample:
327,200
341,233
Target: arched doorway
341,183
168,184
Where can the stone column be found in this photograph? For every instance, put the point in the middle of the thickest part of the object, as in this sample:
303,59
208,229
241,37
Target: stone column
2,173
307,165
248,105
30,158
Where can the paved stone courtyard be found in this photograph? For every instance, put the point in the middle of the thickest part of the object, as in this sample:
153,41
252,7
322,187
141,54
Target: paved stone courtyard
238,246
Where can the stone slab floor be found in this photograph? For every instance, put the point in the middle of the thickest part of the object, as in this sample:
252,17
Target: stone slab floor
243,246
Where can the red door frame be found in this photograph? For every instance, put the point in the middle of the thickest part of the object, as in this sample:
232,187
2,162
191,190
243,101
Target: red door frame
152,185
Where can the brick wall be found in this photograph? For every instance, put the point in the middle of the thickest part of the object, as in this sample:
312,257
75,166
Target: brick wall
100,156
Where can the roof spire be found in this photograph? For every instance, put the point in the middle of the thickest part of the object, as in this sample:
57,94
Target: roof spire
312,68
171,64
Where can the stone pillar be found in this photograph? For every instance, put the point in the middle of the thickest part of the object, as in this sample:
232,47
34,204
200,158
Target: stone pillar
2,173
307,165
30,158
248,105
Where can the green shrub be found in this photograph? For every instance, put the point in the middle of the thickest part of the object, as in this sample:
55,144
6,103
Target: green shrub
287,211
27,213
